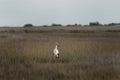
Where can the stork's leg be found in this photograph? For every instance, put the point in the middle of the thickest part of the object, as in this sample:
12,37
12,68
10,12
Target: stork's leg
58,59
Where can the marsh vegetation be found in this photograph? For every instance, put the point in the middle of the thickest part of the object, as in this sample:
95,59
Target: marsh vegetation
90,53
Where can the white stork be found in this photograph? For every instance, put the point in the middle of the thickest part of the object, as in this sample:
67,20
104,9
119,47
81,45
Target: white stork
55,51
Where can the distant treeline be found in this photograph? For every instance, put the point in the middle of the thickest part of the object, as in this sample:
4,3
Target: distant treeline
72,25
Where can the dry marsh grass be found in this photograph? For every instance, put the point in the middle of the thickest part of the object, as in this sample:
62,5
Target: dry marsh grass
84,56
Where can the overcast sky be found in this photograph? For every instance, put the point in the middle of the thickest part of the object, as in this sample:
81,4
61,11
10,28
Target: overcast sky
41,12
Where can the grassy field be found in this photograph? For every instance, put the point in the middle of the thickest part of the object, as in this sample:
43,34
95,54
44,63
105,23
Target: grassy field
86,53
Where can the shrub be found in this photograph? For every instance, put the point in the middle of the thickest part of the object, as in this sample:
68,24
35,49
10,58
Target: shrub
28,25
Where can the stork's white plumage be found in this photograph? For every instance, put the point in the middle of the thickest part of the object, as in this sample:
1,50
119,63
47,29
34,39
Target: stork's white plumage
55,51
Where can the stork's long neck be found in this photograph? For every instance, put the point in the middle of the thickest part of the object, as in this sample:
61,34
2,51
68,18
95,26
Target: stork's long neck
56,46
